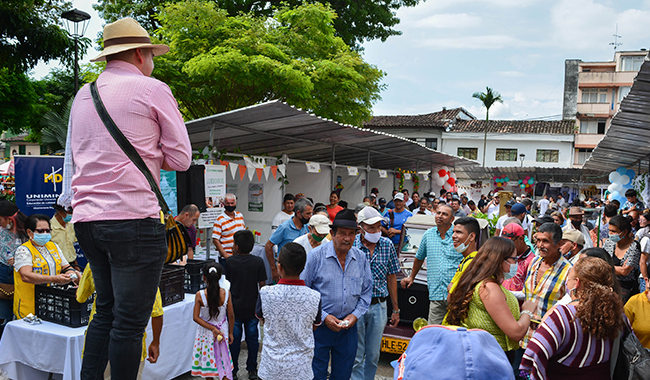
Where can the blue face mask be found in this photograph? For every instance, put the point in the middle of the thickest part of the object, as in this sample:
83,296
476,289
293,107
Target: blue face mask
512,272
42,239
615,237
67,218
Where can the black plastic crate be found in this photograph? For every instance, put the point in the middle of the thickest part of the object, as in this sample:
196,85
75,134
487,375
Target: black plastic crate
60,306
413,302
193,275
172,280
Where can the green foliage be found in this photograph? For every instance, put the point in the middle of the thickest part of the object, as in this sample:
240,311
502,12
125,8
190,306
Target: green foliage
17,101
55,127
358,21
488,98
219,63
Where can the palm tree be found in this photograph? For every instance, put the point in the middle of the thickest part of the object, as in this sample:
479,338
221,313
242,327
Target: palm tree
55,127
488,98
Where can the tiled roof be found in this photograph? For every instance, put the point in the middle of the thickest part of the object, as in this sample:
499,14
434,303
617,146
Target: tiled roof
563,127
435,119
21,137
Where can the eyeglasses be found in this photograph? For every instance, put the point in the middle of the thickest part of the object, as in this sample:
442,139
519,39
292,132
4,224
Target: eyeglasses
512,258
43,230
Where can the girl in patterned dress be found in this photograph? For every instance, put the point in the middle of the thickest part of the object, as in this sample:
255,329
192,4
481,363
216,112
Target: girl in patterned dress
211,357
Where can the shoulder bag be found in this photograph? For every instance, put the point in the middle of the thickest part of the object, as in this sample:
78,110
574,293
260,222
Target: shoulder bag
177,236
629,359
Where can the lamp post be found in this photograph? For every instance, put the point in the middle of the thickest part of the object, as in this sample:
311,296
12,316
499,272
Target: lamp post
76,17
522,157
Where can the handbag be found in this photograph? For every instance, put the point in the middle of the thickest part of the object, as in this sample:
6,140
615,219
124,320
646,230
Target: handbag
629,360
176,234
6,291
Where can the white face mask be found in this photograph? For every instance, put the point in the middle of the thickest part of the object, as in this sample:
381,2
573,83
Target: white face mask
462,247
371,238
511,272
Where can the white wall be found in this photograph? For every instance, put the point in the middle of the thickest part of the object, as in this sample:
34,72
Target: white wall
314,185
384,185
524,143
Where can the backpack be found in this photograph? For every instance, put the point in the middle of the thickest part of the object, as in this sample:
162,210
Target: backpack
629,360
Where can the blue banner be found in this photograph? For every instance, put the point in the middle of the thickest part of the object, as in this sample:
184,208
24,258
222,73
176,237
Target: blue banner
39,181
169,190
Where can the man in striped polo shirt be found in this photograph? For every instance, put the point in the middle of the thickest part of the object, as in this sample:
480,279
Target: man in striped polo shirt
225,227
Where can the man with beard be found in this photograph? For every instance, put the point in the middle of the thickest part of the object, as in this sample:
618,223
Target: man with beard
575,216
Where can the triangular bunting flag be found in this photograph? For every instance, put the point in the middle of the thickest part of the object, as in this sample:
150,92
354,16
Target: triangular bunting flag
267,170
259,174
233,170
224,163
282,168
242,172
251,173
274,171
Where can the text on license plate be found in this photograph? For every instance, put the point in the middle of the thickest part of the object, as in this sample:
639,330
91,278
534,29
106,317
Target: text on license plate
394,346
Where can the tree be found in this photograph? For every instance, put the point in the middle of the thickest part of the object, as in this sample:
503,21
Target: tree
488,98
17,101
358,21
55,127
219,63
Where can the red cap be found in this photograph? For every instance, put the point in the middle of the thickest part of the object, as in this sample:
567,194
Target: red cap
512,230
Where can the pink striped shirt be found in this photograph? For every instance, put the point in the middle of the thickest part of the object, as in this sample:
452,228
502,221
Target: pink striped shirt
105,183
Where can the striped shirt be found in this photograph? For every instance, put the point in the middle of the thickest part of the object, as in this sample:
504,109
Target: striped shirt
547,291
383,261
560,342
100,181
225,227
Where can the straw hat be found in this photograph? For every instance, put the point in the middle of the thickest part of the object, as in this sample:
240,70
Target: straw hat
126,34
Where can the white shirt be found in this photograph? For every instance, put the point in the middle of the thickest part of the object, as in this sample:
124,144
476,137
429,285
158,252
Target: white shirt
501,220
417,210
409,202
280,218
493,209
561,202
23,257
543,206
304,241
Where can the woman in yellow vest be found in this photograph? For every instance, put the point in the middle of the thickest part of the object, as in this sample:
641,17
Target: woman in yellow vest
38,261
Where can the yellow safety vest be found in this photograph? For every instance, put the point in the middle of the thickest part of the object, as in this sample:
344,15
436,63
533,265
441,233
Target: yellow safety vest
24,303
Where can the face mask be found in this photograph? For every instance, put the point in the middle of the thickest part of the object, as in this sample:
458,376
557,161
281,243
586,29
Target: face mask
372,238
317,238
576,223
67,218
511,272
431,200
615,237
230,208
304,221
42,239
462,247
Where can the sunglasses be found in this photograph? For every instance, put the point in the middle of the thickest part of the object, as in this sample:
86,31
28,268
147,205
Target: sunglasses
43,230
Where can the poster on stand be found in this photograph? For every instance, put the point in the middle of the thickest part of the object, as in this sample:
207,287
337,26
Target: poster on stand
169,190
39,182
215,190
256,197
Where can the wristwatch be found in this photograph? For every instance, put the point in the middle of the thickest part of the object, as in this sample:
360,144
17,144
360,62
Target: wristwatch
396,311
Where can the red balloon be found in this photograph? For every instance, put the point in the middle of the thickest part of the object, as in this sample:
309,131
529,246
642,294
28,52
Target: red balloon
451,181
442,173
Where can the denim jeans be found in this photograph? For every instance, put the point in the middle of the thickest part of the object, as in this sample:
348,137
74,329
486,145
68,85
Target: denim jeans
252,342
370,328
126,257
6,306
340,346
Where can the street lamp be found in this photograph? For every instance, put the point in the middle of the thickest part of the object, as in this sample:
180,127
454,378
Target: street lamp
77,31
522,157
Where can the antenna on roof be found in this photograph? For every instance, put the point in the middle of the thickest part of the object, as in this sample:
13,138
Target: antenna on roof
616,37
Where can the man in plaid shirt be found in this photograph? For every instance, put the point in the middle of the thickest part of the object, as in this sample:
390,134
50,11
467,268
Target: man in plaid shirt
380,253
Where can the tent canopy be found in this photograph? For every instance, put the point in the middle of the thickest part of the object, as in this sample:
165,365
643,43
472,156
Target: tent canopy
563,175
276,128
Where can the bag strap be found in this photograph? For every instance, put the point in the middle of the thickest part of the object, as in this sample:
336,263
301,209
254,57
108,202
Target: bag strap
613,357
126,146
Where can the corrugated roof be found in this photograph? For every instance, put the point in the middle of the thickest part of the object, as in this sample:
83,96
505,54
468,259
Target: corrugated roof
564,127
275,128
435,119
626,141
563,175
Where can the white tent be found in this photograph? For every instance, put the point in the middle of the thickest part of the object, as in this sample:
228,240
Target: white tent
6,168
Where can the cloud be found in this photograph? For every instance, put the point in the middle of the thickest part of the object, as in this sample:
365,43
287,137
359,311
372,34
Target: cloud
476,42
449,20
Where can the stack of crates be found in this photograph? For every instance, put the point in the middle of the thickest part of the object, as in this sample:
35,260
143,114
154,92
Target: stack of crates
194,276
60,306
172,281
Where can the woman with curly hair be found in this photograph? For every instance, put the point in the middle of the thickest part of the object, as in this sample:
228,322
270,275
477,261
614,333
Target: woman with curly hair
481,302
575,341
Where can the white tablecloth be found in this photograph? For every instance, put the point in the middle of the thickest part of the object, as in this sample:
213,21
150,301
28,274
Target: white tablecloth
33,351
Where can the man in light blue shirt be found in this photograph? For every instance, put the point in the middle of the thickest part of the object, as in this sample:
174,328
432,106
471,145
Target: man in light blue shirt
442,261
341,274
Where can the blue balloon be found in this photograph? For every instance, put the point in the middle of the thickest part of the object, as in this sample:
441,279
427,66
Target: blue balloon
630,173
621,170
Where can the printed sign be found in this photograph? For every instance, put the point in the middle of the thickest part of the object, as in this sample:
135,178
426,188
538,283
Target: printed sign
39,182
169,190
313,167
383,174
256,197
353,171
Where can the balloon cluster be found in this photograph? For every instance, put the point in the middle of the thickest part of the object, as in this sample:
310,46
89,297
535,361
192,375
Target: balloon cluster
500,181
620,180
444,178
527,183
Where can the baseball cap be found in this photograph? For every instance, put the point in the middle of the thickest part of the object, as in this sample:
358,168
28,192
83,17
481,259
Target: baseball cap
518,208
544,219
373,195
510,203
381,201
369,215
574,236
399,196
321,223
452,353
512,230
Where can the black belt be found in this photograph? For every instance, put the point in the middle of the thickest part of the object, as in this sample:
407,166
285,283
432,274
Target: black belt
378,300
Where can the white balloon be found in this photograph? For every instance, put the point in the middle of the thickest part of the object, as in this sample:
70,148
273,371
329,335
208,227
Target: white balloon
611,188
445,169
447,186
624,180
435,176
452,175
617,187
440,182
446,177
614,177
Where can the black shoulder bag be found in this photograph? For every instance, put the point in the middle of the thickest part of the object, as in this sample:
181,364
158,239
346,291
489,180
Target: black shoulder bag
177,236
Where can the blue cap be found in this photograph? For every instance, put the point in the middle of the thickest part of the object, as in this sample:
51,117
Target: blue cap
518,208
453,353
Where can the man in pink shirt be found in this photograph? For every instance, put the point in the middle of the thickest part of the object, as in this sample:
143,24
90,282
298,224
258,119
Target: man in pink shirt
525,255
117,216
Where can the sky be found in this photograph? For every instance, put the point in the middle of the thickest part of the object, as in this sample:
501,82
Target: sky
450,49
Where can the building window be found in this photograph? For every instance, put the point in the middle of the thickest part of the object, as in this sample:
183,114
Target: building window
548,155
622,92
470,153
594,95
631,63
506,155
22,149
583,155
431,143
593,126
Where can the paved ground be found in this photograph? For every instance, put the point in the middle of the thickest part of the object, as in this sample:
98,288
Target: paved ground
384,370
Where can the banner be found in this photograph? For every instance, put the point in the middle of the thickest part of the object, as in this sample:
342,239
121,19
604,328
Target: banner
256,197
169,190
313,167
353,171
383,173
39,182
215,190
